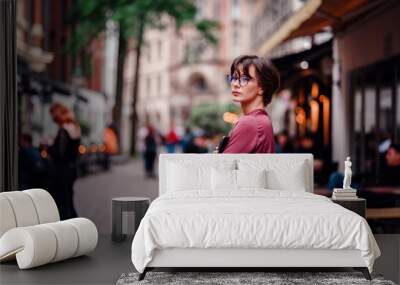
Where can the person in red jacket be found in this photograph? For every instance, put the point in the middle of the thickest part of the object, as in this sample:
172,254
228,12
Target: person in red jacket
172,139
253,81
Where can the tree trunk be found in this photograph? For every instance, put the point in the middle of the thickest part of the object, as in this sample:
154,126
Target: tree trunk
117,112
136,88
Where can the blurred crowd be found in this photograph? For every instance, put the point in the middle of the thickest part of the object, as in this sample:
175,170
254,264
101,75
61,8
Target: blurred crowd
153,142
326,171
198,142
56,166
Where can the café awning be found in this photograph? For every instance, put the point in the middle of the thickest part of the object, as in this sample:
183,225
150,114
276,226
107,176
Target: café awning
292,24
316,15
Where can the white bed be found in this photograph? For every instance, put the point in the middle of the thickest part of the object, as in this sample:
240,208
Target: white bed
251,210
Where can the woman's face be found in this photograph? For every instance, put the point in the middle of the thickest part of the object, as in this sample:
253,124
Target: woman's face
62,115
67,116
248,89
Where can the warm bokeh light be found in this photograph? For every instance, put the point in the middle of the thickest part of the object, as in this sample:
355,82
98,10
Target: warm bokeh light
326,113
314,115
82,149
102,148
93,148
230,117
314,90
301,120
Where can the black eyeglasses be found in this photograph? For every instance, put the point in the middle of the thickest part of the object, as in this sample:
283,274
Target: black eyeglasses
243,80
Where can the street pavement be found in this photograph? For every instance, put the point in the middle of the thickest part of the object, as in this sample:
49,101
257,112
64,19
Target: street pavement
93,193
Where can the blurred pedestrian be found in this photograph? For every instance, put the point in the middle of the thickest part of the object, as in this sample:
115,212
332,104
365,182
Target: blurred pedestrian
391,174
171,139
187,142
64,155
30,163
253,81
110,145
283,143
187,137
150,151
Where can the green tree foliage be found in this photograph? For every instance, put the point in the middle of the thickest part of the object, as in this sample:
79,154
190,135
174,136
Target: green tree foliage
89,17
133,16
209,117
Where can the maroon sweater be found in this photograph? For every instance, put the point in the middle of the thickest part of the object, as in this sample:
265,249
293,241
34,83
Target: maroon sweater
252,134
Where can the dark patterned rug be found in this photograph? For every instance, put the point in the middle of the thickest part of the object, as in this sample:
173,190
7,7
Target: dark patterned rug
228,278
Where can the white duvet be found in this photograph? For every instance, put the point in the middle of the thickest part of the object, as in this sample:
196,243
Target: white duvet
254,218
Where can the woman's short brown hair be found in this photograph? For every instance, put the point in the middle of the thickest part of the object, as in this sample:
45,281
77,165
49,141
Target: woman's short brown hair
267,74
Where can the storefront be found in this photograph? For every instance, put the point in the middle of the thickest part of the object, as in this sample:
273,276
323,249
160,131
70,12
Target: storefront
364,89
375,120
306,81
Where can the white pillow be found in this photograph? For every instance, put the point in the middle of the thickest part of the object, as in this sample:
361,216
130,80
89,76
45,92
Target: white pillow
293,179
227,179
187,175
251,178
280,174
223,179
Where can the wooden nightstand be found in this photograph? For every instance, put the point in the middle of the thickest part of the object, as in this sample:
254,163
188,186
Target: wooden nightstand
358,205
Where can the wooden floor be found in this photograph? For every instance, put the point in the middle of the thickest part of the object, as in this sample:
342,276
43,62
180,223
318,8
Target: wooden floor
106,264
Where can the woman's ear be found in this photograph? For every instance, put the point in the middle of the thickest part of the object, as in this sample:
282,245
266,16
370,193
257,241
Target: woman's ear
260,91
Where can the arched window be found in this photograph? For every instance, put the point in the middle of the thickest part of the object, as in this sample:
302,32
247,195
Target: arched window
197,83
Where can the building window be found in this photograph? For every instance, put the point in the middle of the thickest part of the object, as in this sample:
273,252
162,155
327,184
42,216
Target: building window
159,85
235,42
148,85
195,50
235,37
143,87
200,4
148,52
216,9
198,83
159,48
235,12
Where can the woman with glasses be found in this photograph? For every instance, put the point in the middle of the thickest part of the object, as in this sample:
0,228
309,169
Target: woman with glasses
253,81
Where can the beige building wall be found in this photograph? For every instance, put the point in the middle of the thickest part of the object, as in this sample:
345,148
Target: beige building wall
154,81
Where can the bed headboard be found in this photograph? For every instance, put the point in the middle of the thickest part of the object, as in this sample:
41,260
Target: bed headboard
264,159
